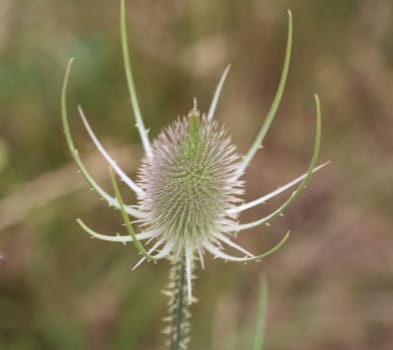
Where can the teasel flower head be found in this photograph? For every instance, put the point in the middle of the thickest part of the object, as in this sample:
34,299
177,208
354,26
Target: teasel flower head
191,182
189,187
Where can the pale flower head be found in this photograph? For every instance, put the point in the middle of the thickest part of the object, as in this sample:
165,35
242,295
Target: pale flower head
190,183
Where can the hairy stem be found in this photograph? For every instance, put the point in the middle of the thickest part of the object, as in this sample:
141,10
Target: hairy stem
179,315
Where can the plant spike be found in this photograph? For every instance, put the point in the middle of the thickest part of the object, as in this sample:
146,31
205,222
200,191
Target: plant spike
233,245
218,253
114,238
130,81
75,154
164,252
217,93
279,190
277,98
130,183
302,185
126,221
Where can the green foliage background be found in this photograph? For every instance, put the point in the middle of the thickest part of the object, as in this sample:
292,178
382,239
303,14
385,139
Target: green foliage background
331,287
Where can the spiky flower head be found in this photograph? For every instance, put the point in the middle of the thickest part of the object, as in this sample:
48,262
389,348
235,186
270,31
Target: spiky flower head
189,185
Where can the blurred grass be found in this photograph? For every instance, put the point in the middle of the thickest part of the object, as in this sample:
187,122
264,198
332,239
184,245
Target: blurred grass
331,287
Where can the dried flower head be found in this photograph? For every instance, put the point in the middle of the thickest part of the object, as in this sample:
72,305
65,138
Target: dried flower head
189,185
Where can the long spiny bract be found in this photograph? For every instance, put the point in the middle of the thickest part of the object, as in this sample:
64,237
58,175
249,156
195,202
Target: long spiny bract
75,154
143,132
276,101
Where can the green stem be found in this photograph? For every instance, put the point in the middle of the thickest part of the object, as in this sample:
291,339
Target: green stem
178,306
261,315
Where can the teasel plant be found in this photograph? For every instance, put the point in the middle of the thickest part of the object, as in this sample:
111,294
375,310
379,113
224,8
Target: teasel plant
189,191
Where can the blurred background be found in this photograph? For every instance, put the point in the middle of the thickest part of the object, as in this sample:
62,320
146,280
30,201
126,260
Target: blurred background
330,287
